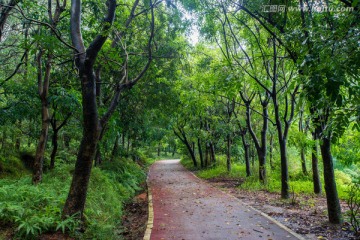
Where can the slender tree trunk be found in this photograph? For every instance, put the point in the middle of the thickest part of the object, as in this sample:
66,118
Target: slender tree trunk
128,144
333,204
284,170
55,148
302,151
115,148
271,155
213,155
315,168
159,149
192,153
246,155
40,150
98,157
303,161
190,147
261,145
228,153
200,153
207,149
174,150
98,86
252,154
43,88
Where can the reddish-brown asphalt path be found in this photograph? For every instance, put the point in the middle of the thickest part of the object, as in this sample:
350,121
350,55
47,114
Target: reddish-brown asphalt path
187,208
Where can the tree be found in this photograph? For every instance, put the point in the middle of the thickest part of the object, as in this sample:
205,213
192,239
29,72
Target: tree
85,59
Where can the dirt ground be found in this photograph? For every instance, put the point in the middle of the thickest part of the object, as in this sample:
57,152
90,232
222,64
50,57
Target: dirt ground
305,215
135,218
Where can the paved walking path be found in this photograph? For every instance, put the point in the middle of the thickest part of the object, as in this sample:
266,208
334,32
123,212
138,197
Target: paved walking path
187,208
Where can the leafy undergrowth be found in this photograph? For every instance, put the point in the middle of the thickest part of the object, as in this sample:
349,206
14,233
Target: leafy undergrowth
30,211
304,212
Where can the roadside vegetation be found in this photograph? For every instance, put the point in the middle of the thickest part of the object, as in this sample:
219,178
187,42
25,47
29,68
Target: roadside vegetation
88,96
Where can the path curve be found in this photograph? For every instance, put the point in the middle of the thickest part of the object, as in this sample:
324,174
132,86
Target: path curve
187,208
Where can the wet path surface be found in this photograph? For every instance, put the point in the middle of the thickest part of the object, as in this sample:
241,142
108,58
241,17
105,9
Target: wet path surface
187,208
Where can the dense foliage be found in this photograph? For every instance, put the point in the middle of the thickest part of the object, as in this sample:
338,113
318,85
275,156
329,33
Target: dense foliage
267,91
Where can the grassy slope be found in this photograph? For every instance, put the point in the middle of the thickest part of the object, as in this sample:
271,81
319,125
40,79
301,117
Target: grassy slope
32,210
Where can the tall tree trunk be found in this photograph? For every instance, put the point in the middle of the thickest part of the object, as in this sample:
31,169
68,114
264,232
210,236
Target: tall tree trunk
192,154
284,170
159,149
333,204
207,150
174,150
43,88
302,151
303,161
246,154
271,155
98,86
98,157
128,144
200,153
228,153
115,148
213,155
75,201
315,167
190,147
55,147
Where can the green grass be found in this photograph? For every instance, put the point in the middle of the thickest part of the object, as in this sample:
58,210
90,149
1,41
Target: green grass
12,167
33,210
299,183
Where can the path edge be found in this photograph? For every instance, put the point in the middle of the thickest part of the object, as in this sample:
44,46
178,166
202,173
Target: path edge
298,236
150,222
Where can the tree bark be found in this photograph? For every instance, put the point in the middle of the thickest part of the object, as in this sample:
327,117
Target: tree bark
213,155
333,204
271,155
85,61
115,148
55,136
43,88
315,168
5,11
246,154
302,151
303,161
200,153
228,153
182,136
261,145
207,149
54,150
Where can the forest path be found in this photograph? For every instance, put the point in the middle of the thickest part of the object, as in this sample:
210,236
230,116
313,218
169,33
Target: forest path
187,208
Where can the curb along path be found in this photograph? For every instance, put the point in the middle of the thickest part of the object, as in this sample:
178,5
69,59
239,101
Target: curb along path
187,208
